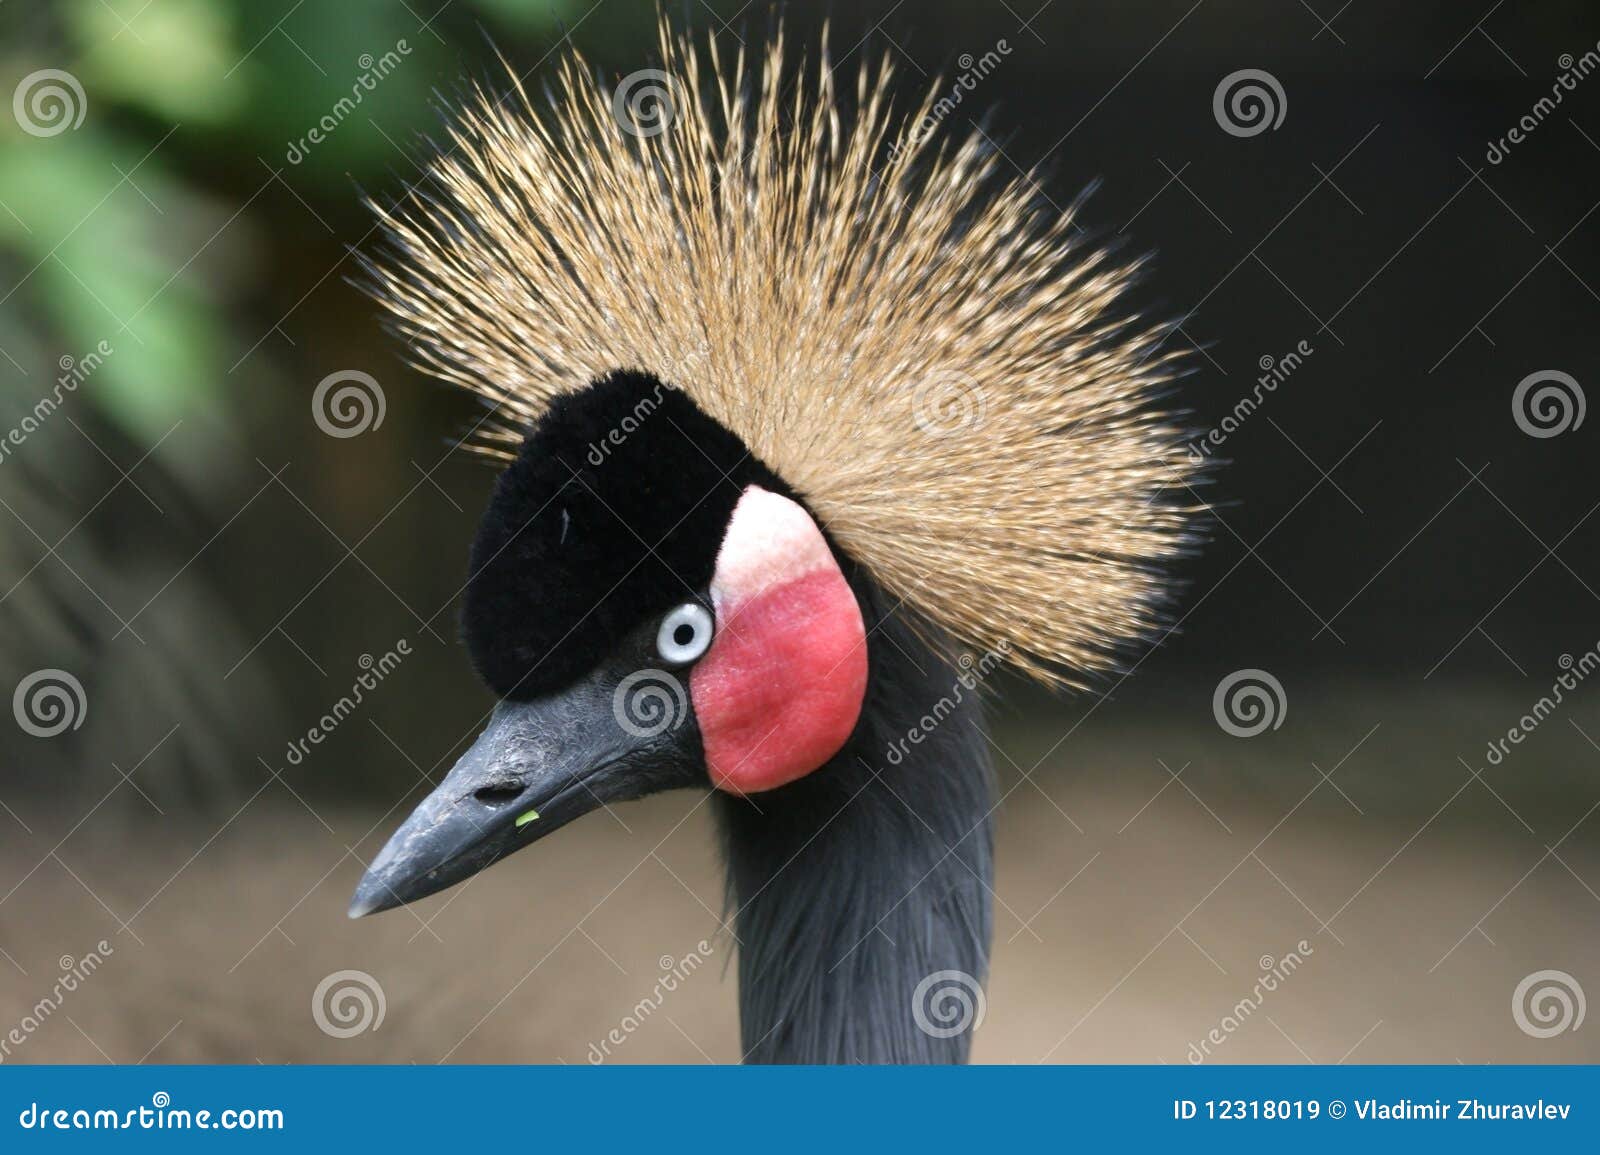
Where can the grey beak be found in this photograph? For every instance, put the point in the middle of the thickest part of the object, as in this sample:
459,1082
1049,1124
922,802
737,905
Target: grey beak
536,766
528,773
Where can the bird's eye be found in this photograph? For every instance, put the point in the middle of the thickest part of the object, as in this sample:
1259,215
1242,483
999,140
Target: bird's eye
685,633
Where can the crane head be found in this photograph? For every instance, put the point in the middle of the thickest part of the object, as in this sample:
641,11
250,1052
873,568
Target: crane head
653,608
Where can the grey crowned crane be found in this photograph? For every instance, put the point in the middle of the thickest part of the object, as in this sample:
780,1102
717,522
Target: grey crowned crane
807,424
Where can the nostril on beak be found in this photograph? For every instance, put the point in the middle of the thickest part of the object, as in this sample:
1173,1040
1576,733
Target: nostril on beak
499,795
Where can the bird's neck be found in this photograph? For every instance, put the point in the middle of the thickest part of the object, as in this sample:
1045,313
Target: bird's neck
861,892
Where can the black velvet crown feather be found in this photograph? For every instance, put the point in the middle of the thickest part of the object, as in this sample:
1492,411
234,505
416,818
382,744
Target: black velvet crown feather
612,512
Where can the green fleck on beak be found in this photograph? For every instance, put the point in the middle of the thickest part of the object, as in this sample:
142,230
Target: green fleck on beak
530,816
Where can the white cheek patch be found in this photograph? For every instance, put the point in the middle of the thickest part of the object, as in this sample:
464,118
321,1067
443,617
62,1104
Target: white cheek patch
780,690
770,542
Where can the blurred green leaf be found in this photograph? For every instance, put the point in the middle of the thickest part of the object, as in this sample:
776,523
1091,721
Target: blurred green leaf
171,62
533,18
353,84
113,257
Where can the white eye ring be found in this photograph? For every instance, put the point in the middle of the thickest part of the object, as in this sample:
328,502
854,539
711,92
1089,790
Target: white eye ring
685,633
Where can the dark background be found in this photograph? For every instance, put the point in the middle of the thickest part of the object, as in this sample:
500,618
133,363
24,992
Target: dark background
1387,541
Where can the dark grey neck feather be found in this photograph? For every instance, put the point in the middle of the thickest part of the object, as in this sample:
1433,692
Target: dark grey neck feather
855,886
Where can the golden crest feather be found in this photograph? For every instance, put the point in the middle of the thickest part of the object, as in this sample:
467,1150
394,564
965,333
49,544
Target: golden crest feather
905,332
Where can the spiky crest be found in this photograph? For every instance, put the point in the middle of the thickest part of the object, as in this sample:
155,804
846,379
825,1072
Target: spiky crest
928,354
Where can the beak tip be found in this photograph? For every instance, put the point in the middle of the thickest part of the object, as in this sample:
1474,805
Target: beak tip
368,899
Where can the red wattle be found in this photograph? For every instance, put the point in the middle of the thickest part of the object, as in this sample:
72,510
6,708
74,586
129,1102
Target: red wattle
781,687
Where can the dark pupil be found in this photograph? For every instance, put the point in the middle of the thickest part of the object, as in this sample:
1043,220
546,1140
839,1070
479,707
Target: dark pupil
684,634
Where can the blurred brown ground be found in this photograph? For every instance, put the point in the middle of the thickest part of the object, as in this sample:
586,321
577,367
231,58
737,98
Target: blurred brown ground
1124,939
